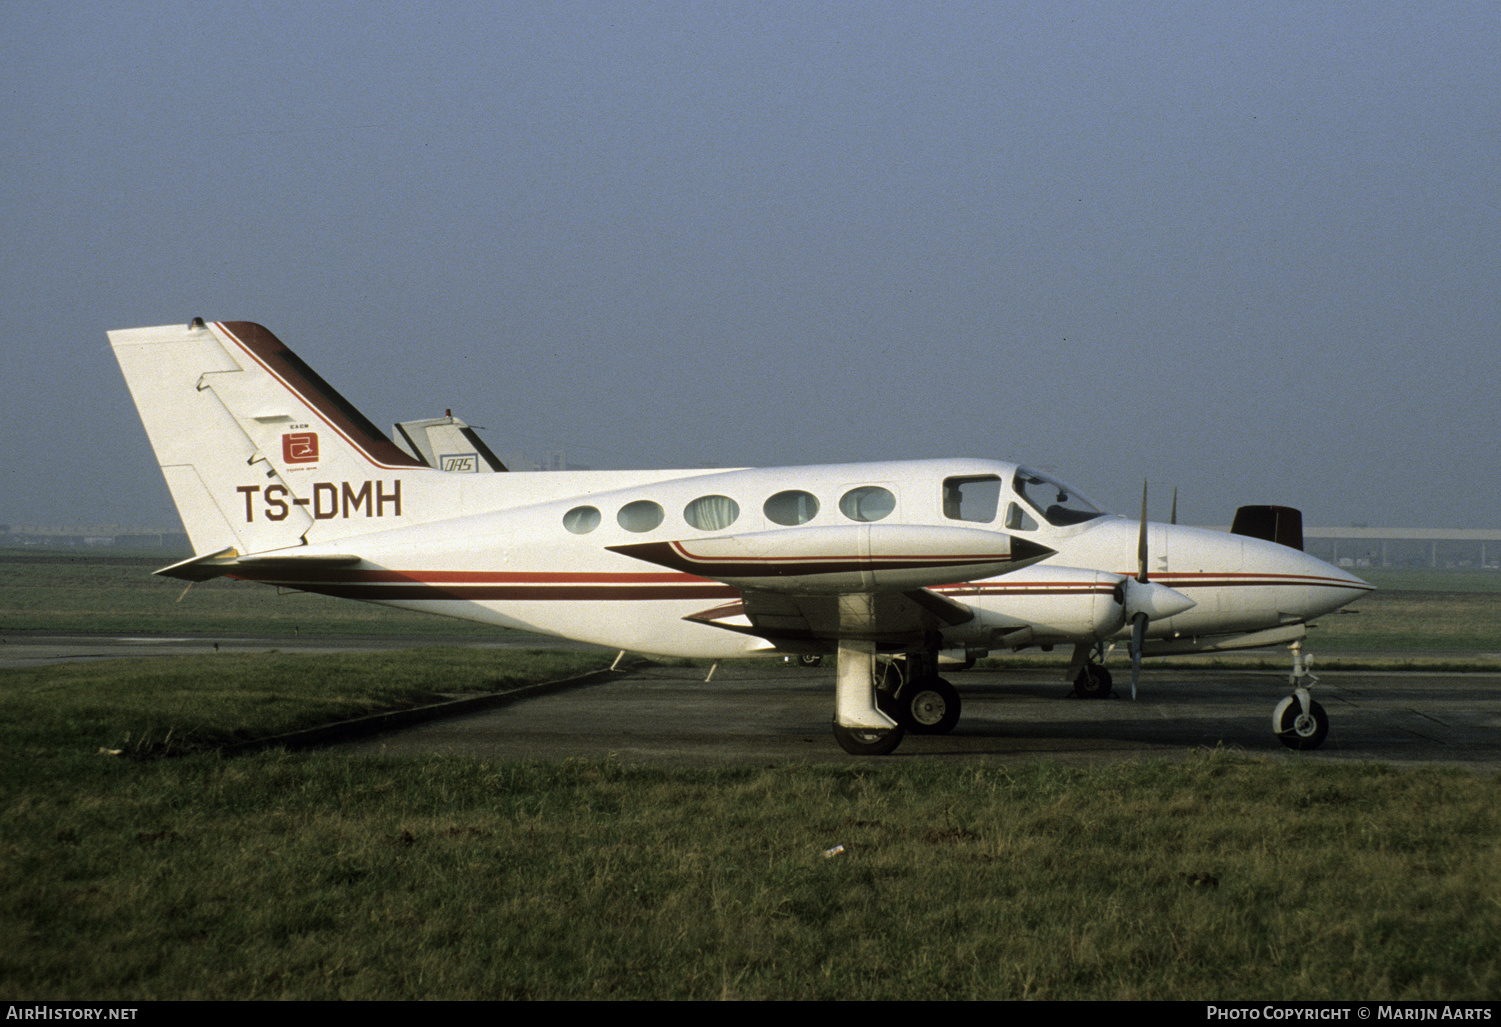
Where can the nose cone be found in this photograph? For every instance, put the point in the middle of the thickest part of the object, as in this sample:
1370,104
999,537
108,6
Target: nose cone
1306,587
1344,588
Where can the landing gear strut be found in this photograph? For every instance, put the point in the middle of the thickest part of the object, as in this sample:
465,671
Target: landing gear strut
905,695
1298,721
860,727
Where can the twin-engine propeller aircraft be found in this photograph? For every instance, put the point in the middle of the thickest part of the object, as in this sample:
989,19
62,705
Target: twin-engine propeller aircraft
887,565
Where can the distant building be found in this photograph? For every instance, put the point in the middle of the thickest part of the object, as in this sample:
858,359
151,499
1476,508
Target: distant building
1356,547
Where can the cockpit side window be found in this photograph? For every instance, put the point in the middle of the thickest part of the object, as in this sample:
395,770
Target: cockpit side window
1059,505
971,499
1018,519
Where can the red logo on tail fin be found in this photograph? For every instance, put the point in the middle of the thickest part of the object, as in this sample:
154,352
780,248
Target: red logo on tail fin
300,447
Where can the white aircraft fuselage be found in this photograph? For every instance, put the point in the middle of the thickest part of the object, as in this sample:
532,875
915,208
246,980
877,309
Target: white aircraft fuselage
517,566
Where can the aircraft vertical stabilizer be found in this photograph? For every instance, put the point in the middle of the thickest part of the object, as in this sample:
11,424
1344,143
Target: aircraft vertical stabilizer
448,444
249,438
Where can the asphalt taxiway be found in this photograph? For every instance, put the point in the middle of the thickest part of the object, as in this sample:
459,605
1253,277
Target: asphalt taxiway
766,713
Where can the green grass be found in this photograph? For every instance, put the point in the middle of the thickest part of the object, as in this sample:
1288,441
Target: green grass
1404,579
321,875
177,705
1415,621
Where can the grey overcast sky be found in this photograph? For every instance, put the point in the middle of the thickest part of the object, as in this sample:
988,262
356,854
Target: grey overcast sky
1247,250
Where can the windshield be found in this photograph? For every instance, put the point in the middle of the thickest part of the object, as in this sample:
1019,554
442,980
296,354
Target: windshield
1059,505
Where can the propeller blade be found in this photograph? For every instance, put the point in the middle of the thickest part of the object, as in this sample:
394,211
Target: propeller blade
1141,539
1138,636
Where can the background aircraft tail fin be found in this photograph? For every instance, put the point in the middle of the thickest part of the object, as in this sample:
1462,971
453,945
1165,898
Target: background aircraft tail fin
257,449
1280,524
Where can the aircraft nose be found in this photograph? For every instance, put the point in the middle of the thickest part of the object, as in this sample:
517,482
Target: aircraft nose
1330,587
1305,587
1357,583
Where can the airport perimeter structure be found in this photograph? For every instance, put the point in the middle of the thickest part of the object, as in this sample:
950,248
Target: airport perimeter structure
1405,547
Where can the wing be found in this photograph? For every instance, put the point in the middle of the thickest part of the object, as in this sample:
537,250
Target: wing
814,623
797,584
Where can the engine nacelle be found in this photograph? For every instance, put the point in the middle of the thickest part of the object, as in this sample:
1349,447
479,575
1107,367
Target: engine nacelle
1047,604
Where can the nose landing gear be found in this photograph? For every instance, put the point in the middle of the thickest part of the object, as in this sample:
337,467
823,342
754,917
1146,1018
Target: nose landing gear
1298,721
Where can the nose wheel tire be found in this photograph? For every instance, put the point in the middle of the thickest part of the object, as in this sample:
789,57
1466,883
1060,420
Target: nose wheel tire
1298,730
859,741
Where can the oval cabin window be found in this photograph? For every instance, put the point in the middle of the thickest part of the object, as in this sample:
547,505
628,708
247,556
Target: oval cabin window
712,513
867,503
642,515
791,507
581,519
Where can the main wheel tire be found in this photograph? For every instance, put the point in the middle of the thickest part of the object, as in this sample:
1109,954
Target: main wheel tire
930,707
809,660
1296,731
1093,682
859,741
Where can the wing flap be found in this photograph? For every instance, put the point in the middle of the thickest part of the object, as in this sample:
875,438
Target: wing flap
893,619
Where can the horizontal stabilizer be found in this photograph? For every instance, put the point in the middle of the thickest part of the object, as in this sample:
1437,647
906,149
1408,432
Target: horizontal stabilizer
228,561
201,568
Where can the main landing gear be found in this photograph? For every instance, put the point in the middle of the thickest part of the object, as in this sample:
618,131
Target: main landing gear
1091,679
1298,721
926,705
1093,682
879,703
859,741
